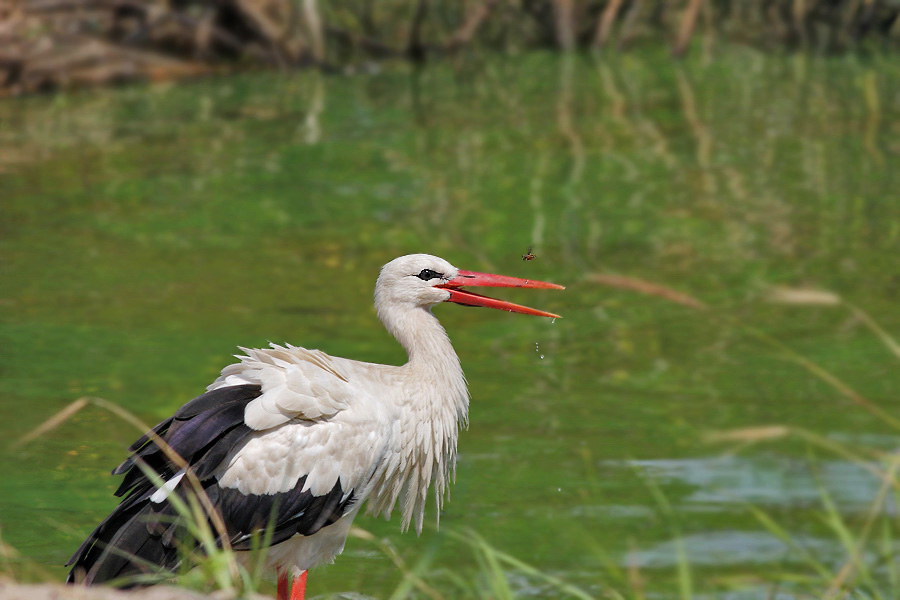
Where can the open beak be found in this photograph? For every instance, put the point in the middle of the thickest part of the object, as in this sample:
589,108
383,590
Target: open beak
474,278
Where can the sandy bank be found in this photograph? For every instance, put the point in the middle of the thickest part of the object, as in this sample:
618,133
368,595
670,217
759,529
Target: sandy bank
51,591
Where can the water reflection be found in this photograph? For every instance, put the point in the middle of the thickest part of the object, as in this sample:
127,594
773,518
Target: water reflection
137,218
733,548
728,482
312,129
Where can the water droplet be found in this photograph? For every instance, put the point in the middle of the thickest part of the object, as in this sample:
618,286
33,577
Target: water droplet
542,357
553,320
558,489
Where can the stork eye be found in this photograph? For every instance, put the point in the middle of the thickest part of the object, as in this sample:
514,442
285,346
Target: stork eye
427,274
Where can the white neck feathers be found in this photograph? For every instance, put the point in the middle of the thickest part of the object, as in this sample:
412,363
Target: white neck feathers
435,405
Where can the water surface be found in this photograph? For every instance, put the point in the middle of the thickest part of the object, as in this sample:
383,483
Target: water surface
148,231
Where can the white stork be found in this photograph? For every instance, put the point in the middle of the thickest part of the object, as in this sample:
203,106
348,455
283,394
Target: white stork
298,440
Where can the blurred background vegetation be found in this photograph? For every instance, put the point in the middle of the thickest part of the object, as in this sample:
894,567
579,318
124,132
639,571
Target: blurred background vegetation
52,44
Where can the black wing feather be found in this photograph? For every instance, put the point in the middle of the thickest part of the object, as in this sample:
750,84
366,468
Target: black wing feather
294,511
215,399
139,532
233,396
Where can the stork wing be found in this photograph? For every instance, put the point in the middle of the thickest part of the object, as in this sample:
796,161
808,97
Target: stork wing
144,529
295,383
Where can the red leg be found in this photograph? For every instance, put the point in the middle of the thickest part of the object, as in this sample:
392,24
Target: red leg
284,589
299,590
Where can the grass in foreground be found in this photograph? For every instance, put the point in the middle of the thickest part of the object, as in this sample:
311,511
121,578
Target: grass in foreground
868,568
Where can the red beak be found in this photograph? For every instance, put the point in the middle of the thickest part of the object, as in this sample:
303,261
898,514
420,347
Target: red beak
474,278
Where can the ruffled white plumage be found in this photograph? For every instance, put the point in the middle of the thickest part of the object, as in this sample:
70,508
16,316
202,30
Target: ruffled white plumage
296,383
385,432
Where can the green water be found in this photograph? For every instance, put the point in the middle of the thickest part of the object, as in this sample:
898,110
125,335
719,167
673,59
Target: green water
146,232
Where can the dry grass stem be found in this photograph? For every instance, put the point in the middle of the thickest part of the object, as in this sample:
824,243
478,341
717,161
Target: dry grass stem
635,579
806,297
646,287
869,322
889,480
212,513
53,422
749,434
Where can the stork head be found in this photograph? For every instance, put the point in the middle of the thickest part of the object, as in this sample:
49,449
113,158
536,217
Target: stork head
423,280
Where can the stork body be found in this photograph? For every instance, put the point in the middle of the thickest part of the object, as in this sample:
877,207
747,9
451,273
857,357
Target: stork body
299,440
